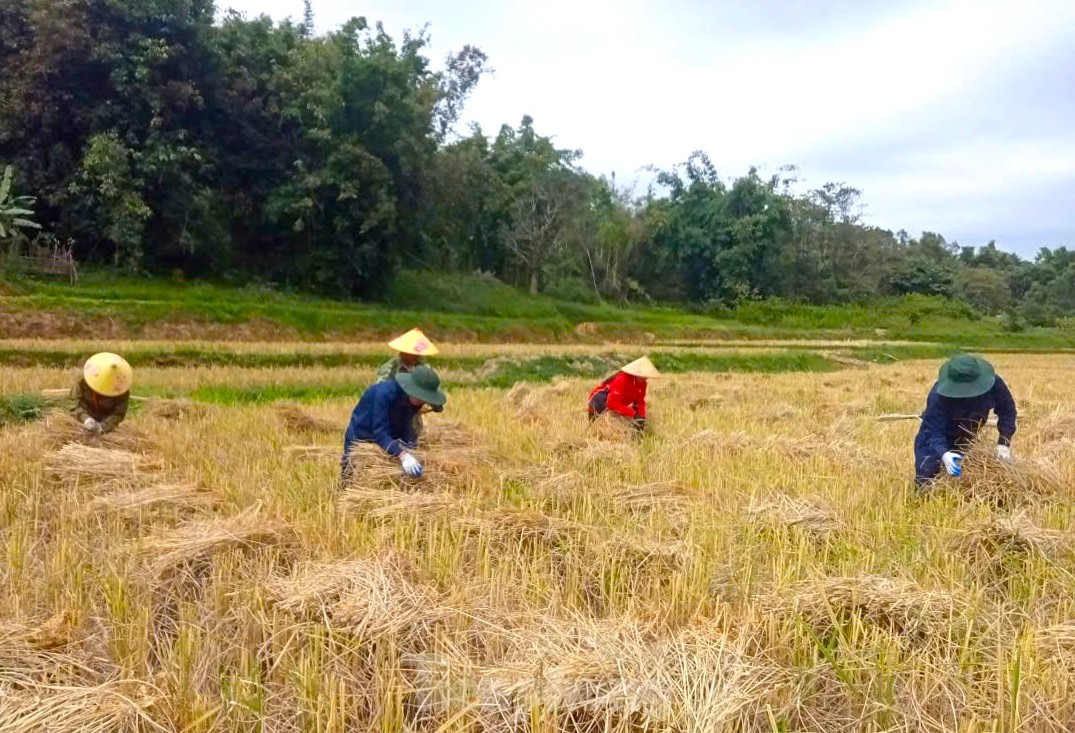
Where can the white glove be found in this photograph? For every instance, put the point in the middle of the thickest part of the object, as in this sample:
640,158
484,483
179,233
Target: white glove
411,466
93,426
1004,453
952,461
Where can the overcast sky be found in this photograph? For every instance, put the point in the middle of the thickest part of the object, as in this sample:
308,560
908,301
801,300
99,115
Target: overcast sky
955,116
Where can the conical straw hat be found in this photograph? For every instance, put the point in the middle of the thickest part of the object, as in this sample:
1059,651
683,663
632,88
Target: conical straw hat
641,368
414,342
107,374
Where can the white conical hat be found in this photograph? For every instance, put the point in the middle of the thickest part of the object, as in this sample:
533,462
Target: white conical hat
641,368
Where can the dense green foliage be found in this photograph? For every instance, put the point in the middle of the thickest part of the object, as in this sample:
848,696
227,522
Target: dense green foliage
14,210
160,140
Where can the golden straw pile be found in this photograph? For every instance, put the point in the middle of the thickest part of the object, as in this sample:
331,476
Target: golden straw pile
757,562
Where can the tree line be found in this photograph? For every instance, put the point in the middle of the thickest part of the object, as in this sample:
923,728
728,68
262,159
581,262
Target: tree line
159,138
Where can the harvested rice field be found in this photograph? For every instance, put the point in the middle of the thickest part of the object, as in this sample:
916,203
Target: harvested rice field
758,562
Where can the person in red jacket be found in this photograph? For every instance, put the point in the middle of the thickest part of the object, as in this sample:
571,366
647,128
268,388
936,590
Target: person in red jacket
624,393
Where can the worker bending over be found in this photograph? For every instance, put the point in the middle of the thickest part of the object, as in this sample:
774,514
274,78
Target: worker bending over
957,407
385,413
102,393
624,393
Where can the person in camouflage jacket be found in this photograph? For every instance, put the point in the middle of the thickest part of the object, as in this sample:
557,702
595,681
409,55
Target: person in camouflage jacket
411,347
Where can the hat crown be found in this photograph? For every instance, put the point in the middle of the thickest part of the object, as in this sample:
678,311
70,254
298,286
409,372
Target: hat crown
424,377
107,374
964,369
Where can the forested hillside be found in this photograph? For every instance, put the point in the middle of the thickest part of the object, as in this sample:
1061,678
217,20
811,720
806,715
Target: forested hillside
160,138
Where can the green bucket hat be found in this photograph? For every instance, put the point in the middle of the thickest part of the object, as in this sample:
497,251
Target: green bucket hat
422,383
965,376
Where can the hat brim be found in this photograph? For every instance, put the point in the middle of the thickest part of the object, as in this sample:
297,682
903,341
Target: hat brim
947,387
642,374
642,368
408,344
431,350
429,396
109,391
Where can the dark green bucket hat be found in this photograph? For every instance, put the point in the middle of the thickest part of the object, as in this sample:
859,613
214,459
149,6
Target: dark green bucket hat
965,376
422,383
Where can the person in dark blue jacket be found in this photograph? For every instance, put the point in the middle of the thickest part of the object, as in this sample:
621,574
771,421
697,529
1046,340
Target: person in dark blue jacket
384,415
967,389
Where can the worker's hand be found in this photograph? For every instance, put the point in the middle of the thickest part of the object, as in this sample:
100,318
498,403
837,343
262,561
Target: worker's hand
436,408
952,461
411,466
92,426
640,424
1004,453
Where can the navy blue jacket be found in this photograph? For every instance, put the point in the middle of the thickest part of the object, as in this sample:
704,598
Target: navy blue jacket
949,423
383,416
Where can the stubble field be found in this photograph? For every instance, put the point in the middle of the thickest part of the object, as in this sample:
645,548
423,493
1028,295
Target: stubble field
758,562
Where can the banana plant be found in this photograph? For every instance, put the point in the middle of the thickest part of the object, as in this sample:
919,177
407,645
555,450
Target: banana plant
14,210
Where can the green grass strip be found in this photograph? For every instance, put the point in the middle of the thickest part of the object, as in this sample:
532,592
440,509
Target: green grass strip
21,408
268,394
536,370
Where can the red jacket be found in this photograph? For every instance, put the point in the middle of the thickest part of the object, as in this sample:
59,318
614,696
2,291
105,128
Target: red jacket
626,394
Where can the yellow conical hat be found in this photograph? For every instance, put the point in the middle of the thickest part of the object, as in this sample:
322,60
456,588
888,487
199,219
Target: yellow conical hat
414,342
641,368
107,374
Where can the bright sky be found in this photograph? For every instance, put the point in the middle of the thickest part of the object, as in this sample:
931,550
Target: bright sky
955,116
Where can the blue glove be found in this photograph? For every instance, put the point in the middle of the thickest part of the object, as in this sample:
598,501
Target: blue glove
952,463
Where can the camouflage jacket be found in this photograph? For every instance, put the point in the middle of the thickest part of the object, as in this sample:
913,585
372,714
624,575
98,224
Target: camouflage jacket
109,411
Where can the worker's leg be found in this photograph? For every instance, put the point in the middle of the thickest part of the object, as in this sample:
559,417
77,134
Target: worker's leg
347,472
347,468
927,468
598,404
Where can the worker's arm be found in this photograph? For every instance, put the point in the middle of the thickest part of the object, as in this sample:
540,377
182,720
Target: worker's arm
382,422
376,406
111,422
78,411
409,437
934,428
619,399
1004,406
640,403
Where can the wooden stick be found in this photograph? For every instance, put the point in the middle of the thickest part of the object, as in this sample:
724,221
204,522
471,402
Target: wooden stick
896,416
59,394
